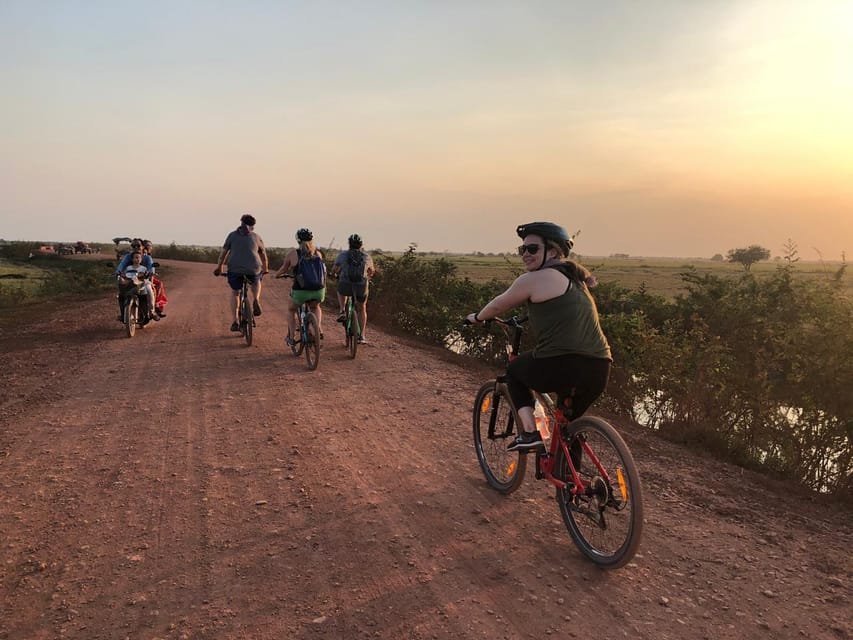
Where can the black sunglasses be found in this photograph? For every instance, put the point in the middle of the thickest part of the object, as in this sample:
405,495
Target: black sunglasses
532,249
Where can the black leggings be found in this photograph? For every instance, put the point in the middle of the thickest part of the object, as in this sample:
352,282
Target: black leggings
582,378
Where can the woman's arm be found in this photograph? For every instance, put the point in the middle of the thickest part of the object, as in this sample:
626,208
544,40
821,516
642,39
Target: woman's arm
286,266
517,294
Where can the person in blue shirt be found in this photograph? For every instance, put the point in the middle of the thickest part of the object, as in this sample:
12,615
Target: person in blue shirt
136,276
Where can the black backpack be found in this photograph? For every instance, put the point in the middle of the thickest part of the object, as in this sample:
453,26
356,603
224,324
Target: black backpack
355,266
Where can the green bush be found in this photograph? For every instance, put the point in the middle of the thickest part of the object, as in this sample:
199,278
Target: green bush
756,370
425,298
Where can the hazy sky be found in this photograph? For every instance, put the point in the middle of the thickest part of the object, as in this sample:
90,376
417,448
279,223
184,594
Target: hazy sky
656,127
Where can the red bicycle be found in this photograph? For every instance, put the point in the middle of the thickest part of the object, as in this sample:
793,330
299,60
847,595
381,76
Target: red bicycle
597,484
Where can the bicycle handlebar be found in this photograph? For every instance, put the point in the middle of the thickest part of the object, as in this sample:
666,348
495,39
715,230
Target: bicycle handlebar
515,321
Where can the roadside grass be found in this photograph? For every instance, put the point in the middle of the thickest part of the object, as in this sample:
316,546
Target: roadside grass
27,281
20,279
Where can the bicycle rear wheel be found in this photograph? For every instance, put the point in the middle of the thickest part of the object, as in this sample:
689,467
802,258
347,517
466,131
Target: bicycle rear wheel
246,321
131,314
606,520
494,428
311,338
352,330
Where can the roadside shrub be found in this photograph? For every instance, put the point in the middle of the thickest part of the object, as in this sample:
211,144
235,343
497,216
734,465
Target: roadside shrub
424,298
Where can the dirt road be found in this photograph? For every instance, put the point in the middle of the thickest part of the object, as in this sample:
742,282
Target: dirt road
182,485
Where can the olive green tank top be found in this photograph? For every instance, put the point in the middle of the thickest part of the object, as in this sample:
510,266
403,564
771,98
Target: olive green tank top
568,324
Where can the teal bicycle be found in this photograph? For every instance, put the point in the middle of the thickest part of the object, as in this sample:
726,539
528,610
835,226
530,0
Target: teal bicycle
352,328
309,337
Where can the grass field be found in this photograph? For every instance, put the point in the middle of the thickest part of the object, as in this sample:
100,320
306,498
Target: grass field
21,277
661,276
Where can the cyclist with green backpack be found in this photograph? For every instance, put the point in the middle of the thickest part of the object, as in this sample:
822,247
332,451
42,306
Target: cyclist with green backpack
306,265
354,268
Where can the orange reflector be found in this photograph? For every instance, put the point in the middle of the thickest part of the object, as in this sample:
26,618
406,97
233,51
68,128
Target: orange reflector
622,488
511,468
487,403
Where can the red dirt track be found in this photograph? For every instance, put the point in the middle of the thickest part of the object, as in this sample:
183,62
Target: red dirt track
180,485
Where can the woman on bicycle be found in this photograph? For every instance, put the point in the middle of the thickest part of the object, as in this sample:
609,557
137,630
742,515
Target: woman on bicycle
305,264
571,356
355,268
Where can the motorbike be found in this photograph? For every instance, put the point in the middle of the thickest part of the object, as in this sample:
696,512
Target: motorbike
133,301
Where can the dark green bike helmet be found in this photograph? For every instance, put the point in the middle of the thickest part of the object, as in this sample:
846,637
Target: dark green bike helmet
549,231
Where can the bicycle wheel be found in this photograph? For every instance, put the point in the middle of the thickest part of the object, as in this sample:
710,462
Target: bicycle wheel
352,333
311,338
299,345
131,313
494,429
606,520
247,321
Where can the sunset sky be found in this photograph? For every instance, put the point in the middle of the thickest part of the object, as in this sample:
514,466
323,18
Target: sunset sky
656,127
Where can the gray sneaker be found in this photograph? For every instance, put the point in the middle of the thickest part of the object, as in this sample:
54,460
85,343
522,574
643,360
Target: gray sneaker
526,441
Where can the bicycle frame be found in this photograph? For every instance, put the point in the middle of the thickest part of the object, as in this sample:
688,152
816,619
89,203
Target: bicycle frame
244,313
602,511
560,422
351,324
302,312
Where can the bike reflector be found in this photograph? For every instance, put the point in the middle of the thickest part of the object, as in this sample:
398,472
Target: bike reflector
622,488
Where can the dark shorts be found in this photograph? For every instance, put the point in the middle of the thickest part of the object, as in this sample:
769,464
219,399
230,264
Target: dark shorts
357,291
582,378
235,280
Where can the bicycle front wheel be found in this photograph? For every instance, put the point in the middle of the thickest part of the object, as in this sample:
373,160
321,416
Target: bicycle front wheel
311,338
131,314
494,428
605,519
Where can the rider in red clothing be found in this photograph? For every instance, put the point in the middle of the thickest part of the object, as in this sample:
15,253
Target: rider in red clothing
160,298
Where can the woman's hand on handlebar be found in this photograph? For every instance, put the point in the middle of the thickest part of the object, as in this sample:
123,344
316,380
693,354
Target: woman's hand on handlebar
472,318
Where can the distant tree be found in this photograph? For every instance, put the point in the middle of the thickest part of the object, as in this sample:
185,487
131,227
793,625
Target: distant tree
749,256
717,257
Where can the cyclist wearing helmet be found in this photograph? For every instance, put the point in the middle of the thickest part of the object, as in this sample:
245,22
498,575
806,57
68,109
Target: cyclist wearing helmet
354,264
245,254
571,356
298,294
